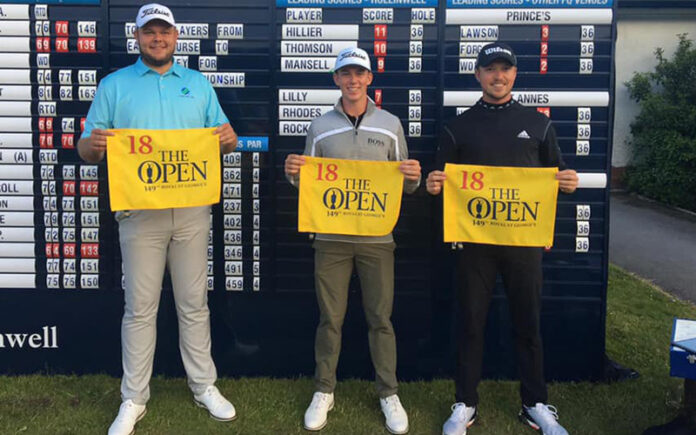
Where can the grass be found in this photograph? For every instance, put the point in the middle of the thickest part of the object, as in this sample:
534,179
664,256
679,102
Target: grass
639,321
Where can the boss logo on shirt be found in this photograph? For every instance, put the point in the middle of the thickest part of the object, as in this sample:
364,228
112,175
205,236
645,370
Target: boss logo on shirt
376,142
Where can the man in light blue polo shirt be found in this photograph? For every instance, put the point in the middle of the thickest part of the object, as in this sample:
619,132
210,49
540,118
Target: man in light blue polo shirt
156,93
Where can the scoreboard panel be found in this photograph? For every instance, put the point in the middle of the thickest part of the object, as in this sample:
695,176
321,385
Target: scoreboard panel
270,62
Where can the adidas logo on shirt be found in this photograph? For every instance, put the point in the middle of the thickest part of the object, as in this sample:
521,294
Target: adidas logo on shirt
523,134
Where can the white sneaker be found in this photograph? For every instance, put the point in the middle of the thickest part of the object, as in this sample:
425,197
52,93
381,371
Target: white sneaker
396,419
462,417
128,414
543,418
315,415
219,408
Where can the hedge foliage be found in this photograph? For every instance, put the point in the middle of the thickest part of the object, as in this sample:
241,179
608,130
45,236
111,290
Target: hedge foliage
664,133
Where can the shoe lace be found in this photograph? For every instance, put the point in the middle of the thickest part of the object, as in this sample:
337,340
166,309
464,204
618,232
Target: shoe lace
124,410
548,413
319,400
392,403
459,410
213,393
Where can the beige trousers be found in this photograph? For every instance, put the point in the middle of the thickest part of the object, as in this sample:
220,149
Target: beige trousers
151,239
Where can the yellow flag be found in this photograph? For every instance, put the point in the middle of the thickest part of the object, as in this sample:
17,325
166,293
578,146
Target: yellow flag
154,169
349,196
500,205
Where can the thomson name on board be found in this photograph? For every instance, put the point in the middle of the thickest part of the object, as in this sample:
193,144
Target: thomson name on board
46,339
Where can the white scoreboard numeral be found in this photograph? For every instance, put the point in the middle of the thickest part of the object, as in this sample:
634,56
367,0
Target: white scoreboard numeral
87,28
415,48
587,49
587,33
417,32
415,64
582,244
584,114
415,96
64,77
583,228
414,129
586,66
583,212
414,113
65,93
584,131
582,147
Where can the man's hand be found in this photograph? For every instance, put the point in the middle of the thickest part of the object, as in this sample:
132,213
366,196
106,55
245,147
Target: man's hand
434,182
293,162
567,180
228,138
92,148
411,169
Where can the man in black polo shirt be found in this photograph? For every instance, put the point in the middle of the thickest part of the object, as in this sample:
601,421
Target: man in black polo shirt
498,131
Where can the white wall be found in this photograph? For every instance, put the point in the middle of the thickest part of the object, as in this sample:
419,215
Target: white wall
639,32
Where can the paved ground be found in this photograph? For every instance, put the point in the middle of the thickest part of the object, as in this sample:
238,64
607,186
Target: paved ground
654,242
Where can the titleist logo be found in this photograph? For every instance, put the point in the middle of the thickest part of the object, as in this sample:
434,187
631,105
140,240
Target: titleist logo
352,54
154,11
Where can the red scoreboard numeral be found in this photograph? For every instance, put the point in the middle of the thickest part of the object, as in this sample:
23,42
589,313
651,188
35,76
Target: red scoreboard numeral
544,48
82,124
380,64
545,110
49,125
43,45
380,48
56,250
42,125
89,250
69,250
87,45
49,250
89,188
380,31
543,65
45,140
378,97
62,45
545,33
67,141
69,188
62,28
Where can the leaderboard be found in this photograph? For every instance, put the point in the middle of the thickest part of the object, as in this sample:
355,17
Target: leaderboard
560,45
51,204
271,63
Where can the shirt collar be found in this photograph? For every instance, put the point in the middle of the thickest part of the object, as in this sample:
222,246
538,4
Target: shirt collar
490,106
142,69
371,106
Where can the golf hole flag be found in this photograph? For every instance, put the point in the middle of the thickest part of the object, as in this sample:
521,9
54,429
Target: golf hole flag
500,205
154,169
352,197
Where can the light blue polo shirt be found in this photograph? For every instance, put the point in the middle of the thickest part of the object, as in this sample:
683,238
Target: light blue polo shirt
139,97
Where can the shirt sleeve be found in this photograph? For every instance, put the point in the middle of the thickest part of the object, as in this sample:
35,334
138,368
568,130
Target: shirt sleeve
446,149
549,152
401,153
100,114
308,151
214,116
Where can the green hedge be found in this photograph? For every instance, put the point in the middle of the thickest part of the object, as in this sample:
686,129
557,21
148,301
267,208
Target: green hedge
664,133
